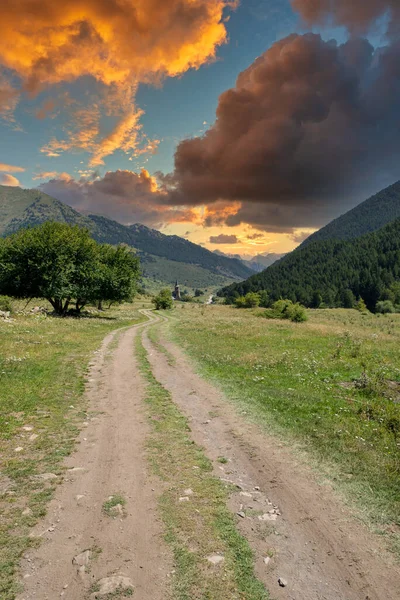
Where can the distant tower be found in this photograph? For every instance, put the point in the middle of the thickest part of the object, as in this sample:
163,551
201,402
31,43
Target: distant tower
177,291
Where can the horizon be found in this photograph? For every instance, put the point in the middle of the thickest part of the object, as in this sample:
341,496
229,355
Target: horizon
235,138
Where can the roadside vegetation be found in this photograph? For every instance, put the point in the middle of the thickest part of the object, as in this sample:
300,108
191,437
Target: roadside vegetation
212,560
43,363
331,386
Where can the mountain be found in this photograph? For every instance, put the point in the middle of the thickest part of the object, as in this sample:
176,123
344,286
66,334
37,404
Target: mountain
262,261
334,271
164,258
371,215
256,263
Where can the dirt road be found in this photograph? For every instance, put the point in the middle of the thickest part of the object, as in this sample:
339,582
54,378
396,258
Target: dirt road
103,529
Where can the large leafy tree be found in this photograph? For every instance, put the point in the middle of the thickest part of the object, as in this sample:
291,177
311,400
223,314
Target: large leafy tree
64,265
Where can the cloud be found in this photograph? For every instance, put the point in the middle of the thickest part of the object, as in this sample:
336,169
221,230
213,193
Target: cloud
255,236
310,127
10,180
124,196
119,44
358,15
300,236
50,175
223,239
11,168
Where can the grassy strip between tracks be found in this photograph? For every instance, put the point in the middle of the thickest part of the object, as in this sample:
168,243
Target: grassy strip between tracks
43,363
331,386
198,524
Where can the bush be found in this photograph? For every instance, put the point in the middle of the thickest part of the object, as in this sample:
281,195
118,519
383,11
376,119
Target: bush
5,304
385,307
362,307
250,300
163,300
286,309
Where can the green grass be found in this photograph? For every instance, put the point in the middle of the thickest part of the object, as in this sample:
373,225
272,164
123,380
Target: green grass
331,386
112,503
43,363
202,525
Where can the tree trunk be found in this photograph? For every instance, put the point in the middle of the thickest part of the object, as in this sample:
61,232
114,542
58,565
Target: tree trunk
100,305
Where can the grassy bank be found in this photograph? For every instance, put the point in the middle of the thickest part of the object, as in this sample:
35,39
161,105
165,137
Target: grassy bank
330,385
43,361
197,521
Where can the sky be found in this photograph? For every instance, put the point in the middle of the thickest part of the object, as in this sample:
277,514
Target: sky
242,126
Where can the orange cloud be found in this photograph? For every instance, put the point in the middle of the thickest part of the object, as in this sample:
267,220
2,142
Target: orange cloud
11,168
118,43
9,180
50,175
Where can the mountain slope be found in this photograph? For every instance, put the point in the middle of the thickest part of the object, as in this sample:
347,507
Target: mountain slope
25,208
368,266
371,215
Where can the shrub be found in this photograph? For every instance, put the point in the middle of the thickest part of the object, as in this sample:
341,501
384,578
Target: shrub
5,304
163,300
286,309
361,306
385,307
250,300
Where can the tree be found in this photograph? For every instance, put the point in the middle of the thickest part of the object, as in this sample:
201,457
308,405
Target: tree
316,299
163,300
117,275
63,264
198,293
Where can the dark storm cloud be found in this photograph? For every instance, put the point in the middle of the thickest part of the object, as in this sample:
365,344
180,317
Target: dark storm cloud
308,123
357,15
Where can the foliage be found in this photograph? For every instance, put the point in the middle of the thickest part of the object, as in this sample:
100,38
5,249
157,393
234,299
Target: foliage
361,306
385,307
286,309
198,293
6,304
339,271
163,300
63,264
251,300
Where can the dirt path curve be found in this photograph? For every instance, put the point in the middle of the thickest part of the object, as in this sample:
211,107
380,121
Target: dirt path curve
126,547
305,534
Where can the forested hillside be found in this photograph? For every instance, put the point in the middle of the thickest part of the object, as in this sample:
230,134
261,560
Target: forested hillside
335,272
369,216
195,266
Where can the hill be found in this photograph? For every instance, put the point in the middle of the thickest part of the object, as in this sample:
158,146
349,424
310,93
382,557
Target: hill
334,271
163,258
369,216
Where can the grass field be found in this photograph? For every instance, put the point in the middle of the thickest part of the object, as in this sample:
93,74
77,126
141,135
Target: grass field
43,361
331,386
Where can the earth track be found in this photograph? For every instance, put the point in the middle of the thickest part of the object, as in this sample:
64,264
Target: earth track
296,527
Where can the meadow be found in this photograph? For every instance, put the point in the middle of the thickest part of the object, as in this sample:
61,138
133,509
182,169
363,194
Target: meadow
329,387
43,364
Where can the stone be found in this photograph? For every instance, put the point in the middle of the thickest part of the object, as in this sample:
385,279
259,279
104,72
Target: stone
215,559
184,499
33,437
267,560
82,560
27,512
27,428
19,449
246,494
76,470
110,585
188,492
117,510
79,497
282,582
241,514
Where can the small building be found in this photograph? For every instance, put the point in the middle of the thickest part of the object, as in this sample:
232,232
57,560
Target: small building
177,292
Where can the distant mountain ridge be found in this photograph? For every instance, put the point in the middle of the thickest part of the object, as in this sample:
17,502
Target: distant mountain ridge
369,216
25,208
256,263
